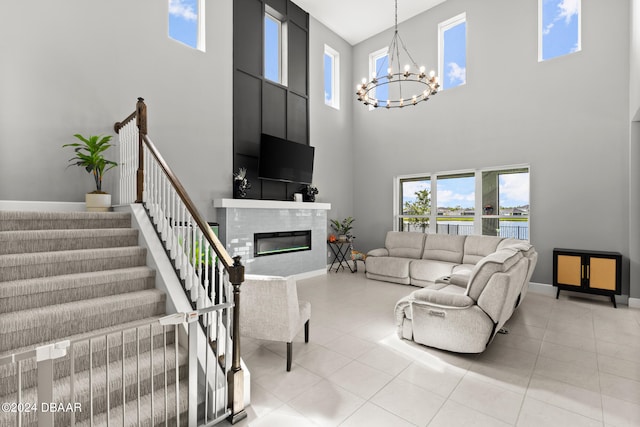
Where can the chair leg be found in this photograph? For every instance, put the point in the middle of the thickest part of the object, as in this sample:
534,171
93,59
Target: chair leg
289,355
306,331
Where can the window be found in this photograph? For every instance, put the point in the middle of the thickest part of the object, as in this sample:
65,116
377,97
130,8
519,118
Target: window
186,22
452,51
503,209
415,204
455,198
505,203
275,58
379,67
331,77
559,31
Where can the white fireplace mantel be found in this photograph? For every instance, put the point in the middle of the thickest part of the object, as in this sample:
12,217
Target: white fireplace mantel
268,204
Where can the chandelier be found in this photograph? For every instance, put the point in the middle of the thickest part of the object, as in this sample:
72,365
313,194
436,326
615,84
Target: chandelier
424,85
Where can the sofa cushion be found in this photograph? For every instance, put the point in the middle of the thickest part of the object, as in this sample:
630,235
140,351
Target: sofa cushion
522,245
444,247
478,247
430,270
496,262
389,267
378,252
405,244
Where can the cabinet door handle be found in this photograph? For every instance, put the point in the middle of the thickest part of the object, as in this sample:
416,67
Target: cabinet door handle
582,275
588,272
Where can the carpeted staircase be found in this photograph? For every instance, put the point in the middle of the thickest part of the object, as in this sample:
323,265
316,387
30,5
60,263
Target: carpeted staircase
72,275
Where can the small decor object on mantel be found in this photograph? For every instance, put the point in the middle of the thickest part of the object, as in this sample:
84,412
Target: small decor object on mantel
309,193
240,184
343,228
89,156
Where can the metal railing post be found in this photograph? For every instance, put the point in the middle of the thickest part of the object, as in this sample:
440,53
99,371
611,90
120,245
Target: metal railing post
45,356
141,122
235,377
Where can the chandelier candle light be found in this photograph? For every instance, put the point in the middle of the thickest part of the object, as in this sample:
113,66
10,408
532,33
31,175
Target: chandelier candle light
428,84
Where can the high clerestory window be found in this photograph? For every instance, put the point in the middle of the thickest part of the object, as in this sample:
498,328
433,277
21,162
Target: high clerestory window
559,31
452,51
186,22
331,77
379,67
493,202
275,47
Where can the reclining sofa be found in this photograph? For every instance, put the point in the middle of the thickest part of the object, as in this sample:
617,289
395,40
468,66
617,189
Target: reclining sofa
470,285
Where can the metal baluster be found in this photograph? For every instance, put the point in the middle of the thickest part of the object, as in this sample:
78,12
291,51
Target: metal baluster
177,374
138,369
166,388
91,382
106,345
151,368
124,389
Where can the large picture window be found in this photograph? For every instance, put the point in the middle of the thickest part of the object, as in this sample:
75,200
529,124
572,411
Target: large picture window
448,202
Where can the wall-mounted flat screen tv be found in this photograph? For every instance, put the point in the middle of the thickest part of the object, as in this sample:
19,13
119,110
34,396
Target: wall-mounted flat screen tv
283,160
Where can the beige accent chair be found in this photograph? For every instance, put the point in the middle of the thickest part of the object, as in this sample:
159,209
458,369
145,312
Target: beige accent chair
270,310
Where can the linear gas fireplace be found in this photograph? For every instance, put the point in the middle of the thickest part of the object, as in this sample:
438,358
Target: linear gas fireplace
281,242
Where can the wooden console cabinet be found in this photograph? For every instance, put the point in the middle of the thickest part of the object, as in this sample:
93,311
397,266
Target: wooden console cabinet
588,271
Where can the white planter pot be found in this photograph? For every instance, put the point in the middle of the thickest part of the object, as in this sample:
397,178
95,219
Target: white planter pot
98,202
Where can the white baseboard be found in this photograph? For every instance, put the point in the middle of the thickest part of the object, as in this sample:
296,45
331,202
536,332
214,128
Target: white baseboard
26,205
550,290
309,274
542,288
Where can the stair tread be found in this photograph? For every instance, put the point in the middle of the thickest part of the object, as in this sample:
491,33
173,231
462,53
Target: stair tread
10,260
32,220
14,288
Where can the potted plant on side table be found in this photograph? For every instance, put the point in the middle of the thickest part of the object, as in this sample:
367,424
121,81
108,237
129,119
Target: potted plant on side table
343,228
89,155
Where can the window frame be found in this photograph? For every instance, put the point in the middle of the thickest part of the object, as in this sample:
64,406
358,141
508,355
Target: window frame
541,33
335,76
432,218
442,28
279,19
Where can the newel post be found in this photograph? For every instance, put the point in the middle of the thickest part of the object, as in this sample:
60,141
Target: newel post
235,377
141,122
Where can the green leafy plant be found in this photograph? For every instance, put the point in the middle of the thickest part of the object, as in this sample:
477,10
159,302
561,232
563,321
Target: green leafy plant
343,227
89,155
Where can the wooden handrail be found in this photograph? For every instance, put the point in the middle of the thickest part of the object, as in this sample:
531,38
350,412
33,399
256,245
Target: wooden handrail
182,193
233,266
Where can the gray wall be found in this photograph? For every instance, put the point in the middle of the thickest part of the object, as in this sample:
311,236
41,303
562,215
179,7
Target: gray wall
567,118
634,150
331,130
77,66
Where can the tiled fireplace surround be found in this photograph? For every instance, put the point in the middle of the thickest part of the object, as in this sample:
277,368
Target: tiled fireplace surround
239,219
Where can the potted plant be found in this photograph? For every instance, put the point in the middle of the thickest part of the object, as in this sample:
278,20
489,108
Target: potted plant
89,155
343,228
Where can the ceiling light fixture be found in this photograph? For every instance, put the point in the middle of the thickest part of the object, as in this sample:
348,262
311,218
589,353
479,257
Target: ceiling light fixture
395,78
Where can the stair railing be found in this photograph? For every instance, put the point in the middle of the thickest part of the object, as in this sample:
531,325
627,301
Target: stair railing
202,262
131,373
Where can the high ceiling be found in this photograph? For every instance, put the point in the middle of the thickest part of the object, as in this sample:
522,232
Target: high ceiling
357,20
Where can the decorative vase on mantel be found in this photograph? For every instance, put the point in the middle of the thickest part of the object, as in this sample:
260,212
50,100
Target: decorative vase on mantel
240,184
309,193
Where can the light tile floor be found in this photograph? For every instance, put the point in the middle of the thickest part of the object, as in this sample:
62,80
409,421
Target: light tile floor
568,362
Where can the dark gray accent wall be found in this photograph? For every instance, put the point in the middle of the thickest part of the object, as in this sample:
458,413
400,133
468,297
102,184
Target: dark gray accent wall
262,106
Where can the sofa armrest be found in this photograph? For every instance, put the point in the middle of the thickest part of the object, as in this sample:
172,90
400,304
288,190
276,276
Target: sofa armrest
442,299
378,252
